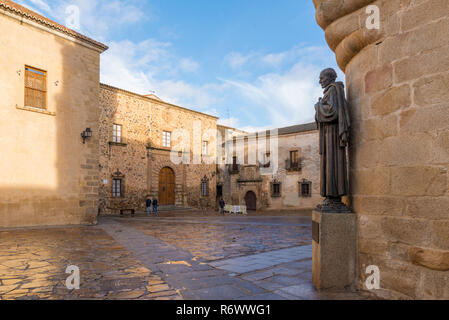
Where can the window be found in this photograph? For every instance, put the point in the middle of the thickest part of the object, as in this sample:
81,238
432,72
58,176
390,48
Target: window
204,187
235,166
205,143
275,189
116,188
294,159
166,139
117,133
219,191
35,88
305,188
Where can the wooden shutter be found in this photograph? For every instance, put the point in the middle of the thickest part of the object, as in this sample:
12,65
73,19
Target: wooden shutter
35,88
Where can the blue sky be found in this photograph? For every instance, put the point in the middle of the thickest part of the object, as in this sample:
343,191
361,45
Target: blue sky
254,64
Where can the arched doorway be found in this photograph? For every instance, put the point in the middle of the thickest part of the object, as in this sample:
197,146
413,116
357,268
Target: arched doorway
251,201
166,186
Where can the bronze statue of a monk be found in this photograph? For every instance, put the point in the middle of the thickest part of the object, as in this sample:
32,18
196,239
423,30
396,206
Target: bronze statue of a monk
333,123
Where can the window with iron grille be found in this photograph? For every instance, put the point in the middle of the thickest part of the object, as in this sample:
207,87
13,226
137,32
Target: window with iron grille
275,189
166,139
204,189
35,88
116,188
305,188
117,133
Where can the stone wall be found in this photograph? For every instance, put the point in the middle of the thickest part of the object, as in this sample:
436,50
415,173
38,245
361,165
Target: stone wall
141,156
398,89
49,177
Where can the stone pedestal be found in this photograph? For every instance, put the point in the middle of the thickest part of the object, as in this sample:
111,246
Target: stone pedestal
334,250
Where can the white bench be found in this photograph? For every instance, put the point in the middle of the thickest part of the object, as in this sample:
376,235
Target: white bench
235,209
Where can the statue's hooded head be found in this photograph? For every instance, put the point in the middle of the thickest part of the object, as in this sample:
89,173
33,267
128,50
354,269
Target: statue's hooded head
327,76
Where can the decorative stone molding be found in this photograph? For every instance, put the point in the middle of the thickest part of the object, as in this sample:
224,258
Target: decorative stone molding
37,110
430,258
344,23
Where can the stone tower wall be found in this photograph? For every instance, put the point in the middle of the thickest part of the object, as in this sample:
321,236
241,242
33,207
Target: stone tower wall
398,90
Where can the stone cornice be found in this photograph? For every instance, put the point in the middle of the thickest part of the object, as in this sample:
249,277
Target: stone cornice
344,23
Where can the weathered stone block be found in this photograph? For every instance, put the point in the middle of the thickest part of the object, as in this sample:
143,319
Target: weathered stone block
440,230
430,258
432,90
379,79
419,181
394,99
406,230
434,61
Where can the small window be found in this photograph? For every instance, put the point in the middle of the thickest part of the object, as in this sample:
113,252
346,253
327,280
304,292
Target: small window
305,188
275,189
166,139
205,187
116,188
117,133
35,88
294,159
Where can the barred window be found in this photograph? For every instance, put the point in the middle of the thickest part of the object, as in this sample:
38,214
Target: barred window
35,88
275,189
117,188
117,133
204,189
305,188
166,139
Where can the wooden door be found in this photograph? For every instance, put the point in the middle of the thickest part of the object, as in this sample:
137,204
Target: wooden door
251,200
166,187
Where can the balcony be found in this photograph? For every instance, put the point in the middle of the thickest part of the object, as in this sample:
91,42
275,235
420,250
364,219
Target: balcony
293,166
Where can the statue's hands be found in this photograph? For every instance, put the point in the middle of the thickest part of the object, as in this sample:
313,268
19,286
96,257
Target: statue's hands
344,138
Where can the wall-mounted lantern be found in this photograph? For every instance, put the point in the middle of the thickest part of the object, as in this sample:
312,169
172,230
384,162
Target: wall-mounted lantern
86,134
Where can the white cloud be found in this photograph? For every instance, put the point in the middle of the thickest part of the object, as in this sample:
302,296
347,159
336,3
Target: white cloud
41,4
274,59
149,66
188,65
237,60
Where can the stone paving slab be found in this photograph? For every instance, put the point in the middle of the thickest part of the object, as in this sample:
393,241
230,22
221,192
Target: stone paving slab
264,260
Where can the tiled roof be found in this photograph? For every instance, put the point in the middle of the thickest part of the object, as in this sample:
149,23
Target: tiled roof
25,12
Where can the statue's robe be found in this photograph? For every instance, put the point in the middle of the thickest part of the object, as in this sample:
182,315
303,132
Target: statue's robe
333,123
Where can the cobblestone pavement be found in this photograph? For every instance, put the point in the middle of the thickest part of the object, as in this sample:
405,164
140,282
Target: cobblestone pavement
164,258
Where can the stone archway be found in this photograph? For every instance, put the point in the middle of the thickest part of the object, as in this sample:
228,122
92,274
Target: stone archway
166,192
251,200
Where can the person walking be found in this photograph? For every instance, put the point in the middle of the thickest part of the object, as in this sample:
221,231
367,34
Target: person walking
155,205
222,205
148,204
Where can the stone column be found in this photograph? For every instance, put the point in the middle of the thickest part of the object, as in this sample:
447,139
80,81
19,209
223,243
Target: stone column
397,86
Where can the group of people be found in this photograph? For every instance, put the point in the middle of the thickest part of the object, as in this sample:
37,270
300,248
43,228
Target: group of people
151,203
154,204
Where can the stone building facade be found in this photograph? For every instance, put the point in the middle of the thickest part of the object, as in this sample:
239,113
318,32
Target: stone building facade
293,183
139,154
49,83
398,89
